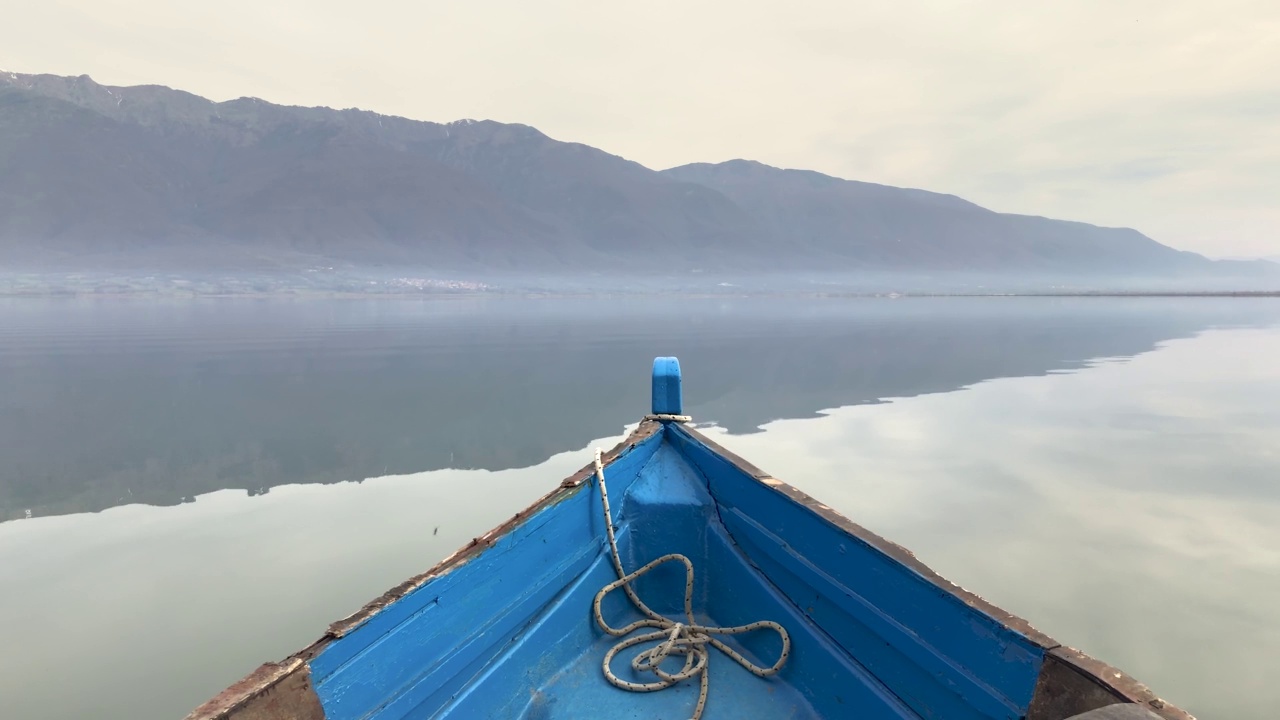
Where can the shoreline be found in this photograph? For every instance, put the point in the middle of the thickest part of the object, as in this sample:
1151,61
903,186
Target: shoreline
348,295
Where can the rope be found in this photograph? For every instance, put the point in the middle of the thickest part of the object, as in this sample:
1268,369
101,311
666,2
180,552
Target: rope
677,638
667,417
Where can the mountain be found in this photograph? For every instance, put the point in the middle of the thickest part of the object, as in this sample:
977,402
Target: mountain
1250,258
873,225
93,176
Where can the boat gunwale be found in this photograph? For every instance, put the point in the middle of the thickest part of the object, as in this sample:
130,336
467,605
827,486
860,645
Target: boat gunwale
270,674
479,544
1116,682
1044,705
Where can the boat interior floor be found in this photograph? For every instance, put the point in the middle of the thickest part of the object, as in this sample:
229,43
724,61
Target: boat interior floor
511,633
554,670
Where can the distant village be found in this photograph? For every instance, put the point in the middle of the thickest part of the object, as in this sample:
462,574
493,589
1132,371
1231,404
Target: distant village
306,283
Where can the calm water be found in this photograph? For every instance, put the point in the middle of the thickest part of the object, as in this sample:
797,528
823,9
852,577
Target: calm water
210,483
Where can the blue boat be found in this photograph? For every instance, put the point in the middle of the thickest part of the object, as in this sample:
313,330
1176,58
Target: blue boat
672,579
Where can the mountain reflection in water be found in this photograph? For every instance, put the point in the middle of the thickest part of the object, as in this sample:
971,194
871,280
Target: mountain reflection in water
111,402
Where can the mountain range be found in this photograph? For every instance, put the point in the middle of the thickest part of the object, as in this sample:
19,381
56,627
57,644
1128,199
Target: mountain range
94,176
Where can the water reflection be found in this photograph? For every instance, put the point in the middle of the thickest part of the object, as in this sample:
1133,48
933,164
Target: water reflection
144,612
115,402
1131,510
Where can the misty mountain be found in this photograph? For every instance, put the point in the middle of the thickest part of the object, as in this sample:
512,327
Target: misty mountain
865,224
1248,258
93,176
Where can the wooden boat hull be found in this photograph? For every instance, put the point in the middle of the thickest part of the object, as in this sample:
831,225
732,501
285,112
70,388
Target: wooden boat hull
504,629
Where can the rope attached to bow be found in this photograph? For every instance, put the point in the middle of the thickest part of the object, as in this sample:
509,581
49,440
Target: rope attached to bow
687,639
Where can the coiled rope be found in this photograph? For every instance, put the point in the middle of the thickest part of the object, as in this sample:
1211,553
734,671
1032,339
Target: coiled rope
678,638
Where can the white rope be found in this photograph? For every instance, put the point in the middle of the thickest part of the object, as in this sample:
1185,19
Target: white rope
678,638
669,418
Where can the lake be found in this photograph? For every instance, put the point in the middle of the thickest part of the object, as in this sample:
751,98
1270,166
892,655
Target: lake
192,487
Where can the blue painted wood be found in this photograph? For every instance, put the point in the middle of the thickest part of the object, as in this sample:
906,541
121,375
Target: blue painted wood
928,645
443,680
890,650
509,633
667,394
413,644
553,669
828,675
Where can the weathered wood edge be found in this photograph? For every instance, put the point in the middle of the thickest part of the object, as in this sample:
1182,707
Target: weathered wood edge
237,702
566,488
1084,671
1070,681
275,691
1089,673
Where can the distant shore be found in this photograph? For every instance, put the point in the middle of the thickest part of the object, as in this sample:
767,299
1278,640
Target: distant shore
537,293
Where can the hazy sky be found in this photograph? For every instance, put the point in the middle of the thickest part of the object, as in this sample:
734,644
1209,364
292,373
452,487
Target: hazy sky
1162,115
